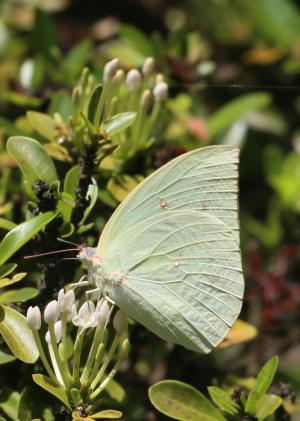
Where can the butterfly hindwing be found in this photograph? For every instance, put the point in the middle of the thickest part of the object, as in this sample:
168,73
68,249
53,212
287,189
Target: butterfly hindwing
172,248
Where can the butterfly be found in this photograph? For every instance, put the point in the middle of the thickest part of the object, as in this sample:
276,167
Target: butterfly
169,255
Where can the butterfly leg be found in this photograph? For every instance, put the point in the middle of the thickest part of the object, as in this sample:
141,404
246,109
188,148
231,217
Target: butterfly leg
80,283
92,291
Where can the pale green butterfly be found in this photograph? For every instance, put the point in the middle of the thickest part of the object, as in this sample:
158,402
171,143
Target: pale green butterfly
169,255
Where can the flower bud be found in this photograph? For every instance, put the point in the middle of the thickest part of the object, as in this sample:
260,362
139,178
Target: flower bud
110,69
34,318
57,331
160,92
120,322
124,349
51,312
148,66
146,99
103,309
119,76
133,80
66,300
159,78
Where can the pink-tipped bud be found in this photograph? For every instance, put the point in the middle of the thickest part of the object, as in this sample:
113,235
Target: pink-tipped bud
51,312
34,318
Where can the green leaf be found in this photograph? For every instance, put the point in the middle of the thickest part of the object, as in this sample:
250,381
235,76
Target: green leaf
20,295
233,111
182,402
95,98
136,38
17,335
76,59
20,235
115,391
32,159
71,180
43,124
6,358
53,387
265,376
92,194
7,269
118,123
223,400
266,406
9,403
5,282
107,414
251,402
5,224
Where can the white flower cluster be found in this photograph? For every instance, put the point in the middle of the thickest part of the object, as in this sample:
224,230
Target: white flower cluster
89,374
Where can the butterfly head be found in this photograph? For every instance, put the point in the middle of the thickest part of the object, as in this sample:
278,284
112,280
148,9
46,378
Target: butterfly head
88,256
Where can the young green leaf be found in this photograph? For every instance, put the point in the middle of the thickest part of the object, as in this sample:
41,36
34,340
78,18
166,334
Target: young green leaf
5,282
52,387
107,414
118,123
266,406
43,124
95,98
92,194
9,403
17,335
182,402
251,402
223,400
5,224
7,269
32,159
115,391
71,180
20,295
265,376
6,358
19,236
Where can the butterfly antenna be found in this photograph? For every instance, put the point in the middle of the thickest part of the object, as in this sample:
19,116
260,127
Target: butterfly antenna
67,242
51,252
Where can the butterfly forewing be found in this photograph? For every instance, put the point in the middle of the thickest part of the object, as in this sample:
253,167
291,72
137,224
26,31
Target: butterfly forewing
172,248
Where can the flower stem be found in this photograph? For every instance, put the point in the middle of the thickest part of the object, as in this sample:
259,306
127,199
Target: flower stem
77,355
61,368
105,382
42,354
107,360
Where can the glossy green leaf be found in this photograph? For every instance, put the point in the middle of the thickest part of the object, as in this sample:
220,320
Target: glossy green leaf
5,282
95,98
266,406
20,235
182,402
233,111
223,400
20,295
9,403
118,123
6,358
52,387
5,224
107,414
17,335
43,124
265,376
32,159
7,269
